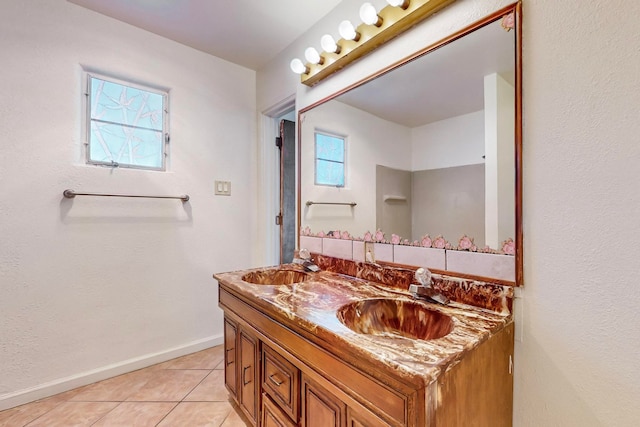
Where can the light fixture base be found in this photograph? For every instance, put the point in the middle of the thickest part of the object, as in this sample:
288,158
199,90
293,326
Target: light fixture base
395,21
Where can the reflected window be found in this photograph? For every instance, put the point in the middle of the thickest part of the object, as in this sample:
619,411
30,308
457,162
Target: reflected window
330,159
127,124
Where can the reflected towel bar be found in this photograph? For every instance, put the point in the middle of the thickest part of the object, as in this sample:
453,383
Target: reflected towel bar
70,194
309,203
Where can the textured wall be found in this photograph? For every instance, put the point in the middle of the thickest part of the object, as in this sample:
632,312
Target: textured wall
367,145
576,359
451,202
456,141
393,216
91,284
578,362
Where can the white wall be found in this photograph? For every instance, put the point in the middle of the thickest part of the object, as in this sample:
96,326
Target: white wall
367,145
499,102
576,363
96,286
457,141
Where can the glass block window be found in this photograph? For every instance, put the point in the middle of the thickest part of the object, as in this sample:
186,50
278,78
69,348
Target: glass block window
127,124
330,160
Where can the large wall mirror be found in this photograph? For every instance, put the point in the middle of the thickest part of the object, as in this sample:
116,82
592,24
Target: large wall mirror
429,147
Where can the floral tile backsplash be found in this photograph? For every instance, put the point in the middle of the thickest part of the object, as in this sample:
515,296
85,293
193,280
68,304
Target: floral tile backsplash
491,264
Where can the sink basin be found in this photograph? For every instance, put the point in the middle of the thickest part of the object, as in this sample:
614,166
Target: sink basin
395,317
275,276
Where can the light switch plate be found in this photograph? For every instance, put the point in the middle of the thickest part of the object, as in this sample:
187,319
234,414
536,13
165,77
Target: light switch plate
222,188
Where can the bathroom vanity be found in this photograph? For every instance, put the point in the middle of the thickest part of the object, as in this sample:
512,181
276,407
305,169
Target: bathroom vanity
348,346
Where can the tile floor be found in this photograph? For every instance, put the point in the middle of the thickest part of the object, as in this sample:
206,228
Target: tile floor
187,391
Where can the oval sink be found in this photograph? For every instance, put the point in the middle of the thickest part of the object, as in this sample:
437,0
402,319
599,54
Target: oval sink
398,317
275,276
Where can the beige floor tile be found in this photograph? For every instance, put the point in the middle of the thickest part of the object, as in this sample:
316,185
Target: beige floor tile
21,415
235,419
211,389
67,395
197,414
113,389
24,414
68,414
153,395
136,414
168,385
205,359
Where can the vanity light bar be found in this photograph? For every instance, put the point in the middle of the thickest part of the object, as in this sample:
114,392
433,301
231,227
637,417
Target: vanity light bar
393,20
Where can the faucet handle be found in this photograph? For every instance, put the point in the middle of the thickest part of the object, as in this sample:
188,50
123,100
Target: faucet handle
423,276
304,254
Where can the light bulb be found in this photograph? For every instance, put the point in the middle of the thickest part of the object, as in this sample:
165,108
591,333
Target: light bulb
369,15
312,55
329,44
298,67
347,31
399,3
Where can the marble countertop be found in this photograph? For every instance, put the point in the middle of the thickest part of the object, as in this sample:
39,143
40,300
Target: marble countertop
311,306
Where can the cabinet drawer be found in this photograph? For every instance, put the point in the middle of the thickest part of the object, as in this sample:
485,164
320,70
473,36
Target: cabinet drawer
272,415
281,380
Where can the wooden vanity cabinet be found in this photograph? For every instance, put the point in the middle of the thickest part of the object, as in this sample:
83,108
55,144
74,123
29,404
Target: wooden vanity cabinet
242,367
283,379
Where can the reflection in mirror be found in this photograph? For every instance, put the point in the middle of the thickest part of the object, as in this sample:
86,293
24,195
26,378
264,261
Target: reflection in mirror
429,147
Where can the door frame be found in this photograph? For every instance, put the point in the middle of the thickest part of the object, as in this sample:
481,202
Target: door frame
268,246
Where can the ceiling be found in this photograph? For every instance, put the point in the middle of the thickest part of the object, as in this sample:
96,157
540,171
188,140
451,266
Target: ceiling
445,83
246,32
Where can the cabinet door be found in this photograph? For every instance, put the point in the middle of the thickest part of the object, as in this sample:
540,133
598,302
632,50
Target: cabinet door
230,368
249,365
363,418
272,416
320,408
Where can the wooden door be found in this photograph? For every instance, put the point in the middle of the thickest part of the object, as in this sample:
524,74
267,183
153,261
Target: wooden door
363,418
249,365
230,366
320,408
287,215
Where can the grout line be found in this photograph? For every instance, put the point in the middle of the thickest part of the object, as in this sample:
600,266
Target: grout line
142,383
118,404
196,386
167,414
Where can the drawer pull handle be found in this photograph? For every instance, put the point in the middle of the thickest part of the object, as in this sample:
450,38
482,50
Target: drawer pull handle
244,375
229,361
277,381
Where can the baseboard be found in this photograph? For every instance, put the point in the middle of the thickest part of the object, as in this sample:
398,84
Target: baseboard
60,385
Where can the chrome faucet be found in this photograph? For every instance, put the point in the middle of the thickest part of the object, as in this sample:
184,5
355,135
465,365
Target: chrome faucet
424,290
304,259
